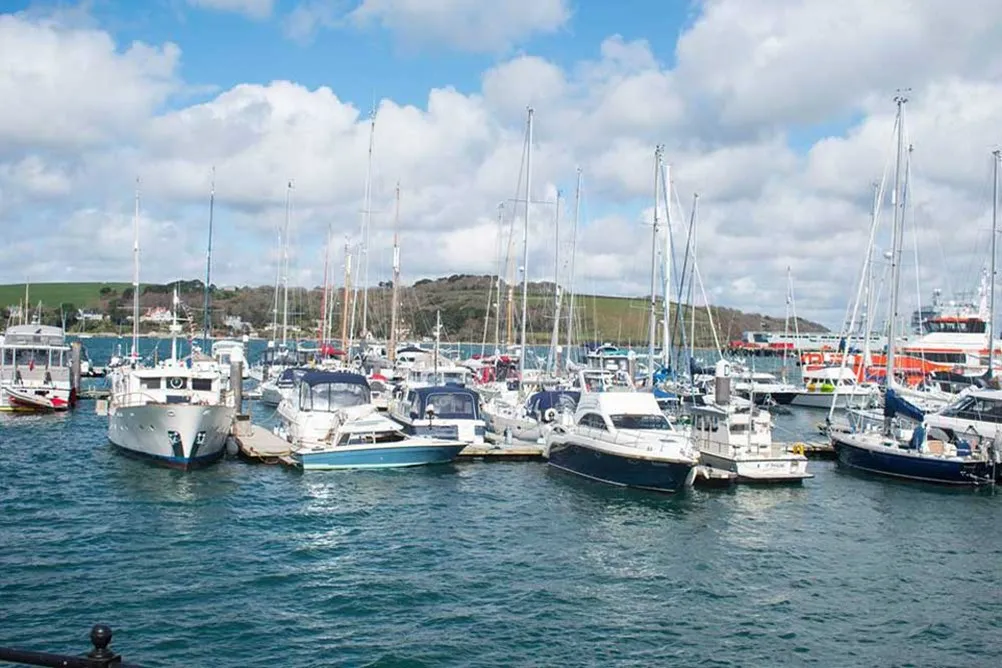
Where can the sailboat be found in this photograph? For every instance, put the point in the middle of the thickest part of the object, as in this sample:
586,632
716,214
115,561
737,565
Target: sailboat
177,413
895,451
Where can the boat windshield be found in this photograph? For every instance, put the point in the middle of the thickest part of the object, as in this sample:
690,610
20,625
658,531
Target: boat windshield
640,422
976,409
453,405
332,396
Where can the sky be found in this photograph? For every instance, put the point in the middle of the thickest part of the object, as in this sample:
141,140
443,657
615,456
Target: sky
778,113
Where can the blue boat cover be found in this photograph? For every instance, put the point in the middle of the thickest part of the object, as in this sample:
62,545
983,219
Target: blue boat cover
556,399
451,402
896,405
314,377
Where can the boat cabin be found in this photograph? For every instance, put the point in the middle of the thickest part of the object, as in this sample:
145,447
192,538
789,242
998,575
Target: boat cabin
615,411
442,411
226,351
168,383
978,406
329,391
723,430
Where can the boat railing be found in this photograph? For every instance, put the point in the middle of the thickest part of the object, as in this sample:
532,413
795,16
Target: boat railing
101,656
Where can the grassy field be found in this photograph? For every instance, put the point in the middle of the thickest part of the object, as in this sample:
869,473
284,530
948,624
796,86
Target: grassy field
54,294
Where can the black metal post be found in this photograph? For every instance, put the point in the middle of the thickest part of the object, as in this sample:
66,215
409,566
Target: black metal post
99,657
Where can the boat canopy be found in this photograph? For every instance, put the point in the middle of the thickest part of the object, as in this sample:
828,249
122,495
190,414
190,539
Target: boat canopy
540,402
450,402
290,376
328,391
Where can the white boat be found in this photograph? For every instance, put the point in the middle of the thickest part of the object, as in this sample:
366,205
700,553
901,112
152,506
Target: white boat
623,439
178,413
274,391
227,351
440,411
332,424
735,435
532,421
35,372
834,386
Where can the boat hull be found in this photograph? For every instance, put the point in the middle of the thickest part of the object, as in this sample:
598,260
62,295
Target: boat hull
854,453
175,435
271,395
396,456
776,470
771,398
824,400
668,477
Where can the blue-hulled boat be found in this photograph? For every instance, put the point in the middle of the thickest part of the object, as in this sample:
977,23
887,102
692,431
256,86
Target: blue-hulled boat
332,424
623,439
917,457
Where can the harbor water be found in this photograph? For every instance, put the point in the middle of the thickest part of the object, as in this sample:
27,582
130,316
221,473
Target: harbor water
483,564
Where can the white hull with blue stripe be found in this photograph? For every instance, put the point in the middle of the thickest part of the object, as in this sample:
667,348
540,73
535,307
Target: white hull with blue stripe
332,424
408,452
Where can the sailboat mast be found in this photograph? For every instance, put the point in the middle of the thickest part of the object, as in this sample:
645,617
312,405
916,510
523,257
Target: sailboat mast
438,340
366,221
325,295
494,292
392,349
897,200
525,244
996,156
554,361
786,320
666,269
135,278
206,305
570,279
285,265
652,330
344,305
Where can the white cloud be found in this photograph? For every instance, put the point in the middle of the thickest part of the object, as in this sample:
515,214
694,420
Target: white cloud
466,25
255,9
65,86
91,118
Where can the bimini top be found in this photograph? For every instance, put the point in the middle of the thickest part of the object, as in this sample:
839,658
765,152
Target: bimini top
290,375
314,377
451,402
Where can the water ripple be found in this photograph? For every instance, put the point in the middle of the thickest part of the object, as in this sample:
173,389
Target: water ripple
481,565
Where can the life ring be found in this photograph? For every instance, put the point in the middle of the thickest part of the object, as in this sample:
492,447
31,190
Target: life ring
797,448
549,415
175,383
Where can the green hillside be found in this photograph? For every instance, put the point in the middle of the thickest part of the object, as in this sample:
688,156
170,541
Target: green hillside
460,300
54,294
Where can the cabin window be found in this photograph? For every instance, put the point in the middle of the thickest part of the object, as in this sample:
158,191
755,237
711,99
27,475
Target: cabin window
975,408
739,428
149,383
176,383
201,384
329,397
640,422
452,405
592,421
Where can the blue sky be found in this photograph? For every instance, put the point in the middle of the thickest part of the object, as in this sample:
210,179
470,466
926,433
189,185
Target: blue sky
222,49
778,113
